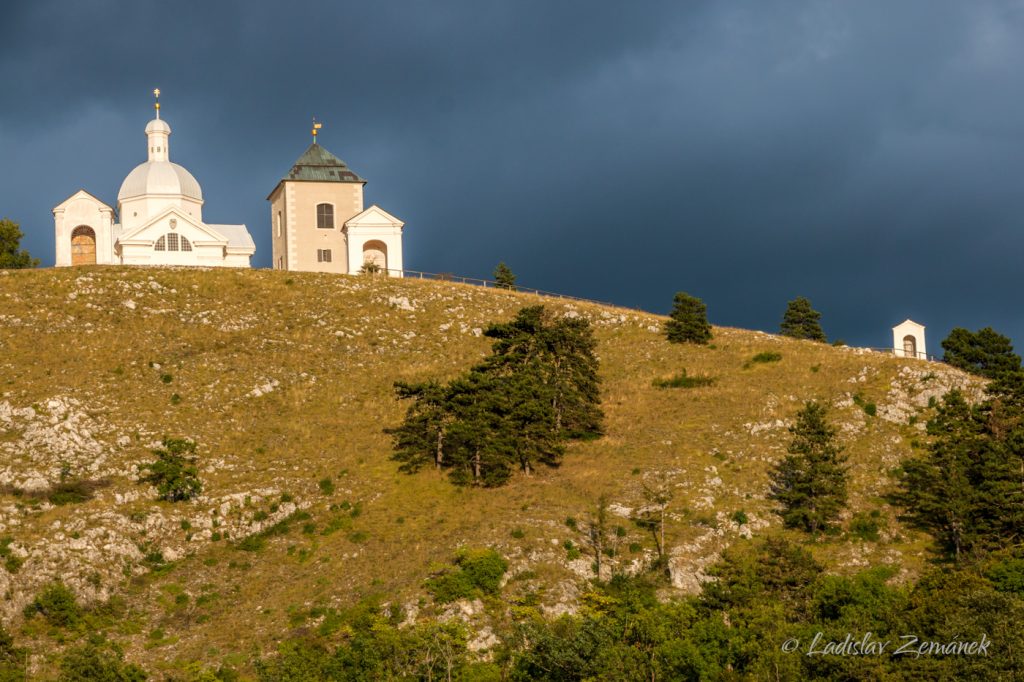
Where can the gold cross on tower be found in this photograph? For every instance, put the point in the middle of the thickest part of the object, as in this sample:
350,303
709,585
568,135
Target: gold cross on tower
316,128
156,93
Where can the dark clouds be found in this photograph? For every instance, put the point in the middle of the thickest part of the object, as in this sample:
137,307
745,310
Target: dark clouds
867,155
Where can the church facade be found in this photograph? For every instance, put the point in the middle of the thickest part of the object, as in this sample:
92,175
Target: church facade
319,223
158,220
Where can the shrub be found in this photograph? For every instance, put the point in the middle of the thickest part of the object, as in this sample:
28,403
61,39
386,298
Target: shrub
518,533
740,517
765,357
866,526
326,486
684,381
174,472
370,268
477,572
12,256
870,409
11,562
98,660
1007,575
13,660
73,492
252,543
57,604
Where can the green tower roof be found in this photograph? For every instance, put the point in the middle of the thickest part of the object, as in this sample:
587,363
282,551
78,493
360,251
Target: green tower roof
319,165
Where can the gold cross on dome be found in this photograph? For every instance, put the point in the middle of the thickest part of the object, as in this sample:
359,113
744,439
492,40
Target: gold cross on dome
156,93
316,128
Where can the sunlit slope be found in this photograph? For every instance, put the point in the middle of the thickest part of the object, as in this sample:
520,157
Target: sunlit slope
285,382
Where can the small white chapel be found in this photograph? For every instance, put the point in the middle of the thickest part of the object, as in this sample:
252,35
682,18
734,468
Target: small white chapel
158,221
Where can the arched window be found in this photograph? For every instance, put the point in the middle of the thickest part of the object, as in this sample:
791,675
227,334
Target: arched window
325,216
909,346
376,252
172,242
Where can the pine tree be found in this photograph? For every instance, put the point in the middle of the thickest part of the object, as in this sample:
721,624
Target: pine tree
688,322
986,353
801,321
561,353
966,491
480,444
513,410
810,482
419,440
503,277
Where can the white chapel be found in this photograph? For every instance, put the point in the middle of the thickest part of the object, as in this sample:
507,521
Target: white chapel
158,221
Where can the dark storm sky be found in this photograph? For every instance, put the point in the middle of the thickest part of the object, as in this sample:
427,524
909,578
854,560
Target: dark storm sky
867,155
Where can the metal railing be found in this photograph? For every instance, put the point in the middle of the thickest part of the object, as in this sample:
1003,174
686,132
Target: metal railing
476,281
900,353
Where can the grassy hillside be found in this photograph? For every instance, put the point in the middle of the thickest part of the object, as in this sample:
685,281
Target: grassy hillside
285,382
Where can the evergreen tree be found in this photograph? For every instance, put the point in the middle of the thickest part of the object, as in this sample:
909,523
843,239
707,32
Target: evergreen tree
688,321
560,353
801,321
515,409
419,440
480,444
12,257
986,353
503,277
810,482
966,491
773,569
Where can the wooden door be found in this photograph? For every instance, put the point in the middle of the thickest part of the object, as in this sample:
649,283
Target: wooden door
83,246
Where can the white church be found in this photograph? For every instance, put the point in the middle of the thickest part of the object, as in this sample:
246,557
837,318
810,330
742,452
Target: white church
158,221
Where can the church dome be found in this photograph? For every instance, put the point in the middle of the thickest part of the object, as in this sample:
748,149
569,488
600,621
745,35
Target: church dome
158,126
159,177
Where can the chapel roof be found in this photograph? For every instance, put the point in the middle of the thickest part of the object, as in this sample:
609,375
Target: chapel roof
319,165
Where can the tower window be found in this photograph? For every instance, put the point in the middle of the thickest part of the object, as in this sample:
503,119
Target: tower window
323,255
161,244
325,216
172,242
186,245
